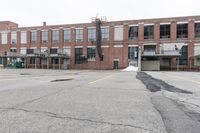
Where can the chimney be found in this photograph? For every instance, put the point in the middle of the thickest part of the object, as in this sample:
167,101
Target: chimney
44,23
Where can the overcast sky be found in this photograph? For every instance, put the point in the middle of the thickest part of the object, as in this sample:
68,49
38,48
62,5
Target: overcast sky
34,12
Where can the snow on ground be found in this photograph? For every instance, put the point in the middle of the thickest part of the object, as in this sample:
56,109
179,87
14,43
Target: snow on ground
131,68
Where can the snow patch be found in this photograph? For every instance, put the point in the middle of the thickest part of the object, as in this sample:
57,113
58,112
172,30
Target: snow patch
131,68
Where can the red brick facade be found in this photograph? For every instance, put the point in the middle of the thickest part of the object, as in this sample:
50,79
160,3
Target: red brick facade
113,50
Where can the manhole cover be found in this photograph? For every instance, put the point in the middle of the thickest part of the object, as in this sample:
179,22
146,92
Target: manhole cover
60,80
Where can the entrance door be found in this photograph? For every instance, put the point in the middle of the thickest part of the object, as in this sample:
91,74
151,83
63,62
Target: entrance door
115,64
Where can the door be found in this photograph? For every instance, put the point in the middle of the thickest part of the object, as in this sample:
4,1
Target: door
115,64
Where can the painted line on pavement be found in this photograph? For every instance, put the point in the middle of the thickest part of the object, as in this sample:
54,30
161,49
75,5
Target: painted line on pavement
187,79
101,79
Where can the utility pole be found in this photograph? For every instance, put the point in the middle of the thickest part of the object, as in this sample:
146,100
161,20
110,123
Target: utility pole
139,58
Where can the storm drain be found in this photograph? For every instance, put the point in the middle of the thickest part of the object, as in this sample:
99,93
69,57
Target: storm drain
61,80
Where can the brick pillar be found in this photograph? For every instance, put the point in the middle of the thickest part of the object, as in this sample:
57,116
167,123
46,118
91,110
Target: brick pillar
9,41
141,32
49,38
38,41
125,48
173,30
85,40
157,36
18,41
191,37
28,39
72,43
61,38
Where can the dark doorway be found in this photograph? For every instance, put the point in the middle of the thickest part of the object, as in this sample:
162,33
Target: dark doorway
115,64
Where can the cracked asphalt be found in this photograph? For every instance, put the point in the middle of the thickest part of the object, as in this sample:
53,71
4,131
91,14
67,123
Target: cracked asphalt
90,102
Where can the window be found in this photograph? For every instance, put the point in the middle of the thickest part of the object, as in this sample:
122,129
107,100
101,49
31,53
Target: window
182,30
133,32
197,30
33,36
13,37
55,36
105,34
91,54
79,35
91,34
4,37
32,60
54,60
67,35
164,31
67,51
23,37
149,48
119,31
30,51
23,51
184,54
53,51
78,55
149,32
44,36
13,50
132,52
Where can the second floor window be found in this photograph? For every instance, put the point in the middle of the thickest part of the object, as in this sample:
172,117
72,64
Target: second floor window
44,36
164,31
182,30
105,34
33,36
197,30
67,35
13,37
133,32
91,34
23,37
55,36
118,33
4,37
79,35
149,32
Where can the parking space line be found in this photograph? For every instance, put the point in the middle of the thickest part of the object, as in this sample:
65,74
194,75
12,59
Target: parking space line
183,78
101,79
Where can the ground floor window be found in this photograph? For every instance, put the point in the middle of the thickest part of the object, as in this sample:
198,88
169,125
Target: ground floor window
183,59
32,60
1,62
91,54
132,52
78,55
54,61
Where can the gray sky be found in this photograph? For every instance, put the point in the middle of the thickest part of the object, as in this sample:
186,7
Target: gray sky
34,12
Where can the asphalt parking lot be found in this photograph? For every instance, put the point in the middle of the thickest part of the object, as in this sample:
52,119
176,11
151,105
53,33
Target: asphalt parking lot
89,101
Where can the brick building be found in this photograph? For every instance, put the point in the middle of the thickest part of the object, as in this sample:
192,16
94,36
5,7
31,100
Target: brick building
165,44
